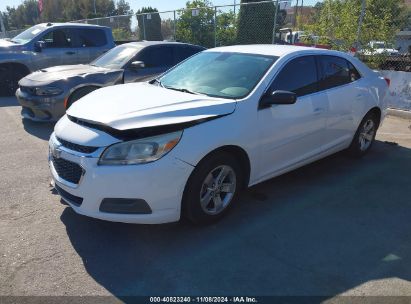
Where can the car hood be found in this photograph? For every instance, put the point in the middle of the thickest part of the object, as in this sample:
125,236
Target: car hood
5,43
7,46
142,105
63,72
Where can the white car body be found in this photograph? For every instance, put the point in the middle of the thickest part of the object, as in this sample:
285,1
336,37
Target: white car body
276,139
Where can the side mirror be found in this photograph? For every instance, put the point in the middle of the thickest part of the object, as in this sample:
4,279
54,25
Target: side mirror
278,97
136,65
39,45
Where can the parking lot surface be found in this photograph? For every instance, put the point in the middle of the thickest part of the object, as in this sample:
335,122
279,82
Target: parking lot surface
338,226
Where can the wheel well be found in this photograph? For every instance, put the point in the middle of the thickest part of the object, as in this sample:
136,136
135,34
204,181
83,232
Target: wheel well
377,112
68,101
241,156
18,66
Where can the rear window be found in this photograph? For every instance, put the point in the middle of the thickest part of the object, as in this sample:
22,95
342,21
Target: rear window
92,37
334,72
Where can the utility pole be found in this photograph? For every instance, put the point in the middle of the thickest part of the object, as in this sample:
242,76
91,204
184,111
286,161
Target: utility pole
357,43
95,12
295,13
2,28
275,21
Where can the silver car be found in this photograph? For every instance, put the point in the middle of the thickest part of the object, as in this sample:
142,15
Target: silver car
46,94
49,44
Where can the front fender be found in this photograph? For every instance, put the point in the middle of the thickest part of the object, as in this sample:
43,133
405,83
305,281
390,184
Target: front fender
18,57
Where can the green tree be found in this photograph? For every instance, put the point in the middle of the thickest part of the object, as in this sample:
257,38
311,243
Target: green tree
338,20
256,22
226,29
149,24
196,29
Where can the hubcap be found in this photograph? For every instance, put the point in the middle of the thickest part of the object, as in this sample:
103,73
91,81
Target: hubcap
367,134
218,190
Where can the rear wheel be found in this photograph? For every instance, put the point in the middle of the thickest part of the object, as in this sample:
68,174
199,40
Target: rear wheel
10,76
365,136
79,93
212,188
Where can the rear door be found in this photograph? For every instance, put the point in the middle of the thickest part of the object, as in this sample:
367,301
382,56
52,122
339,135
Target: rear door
339,81
292,134
92,43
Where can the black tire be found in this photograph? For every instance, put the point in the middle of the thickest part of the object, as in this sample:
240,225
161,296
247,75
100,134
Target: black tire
10,76
79,93
195,188
368,127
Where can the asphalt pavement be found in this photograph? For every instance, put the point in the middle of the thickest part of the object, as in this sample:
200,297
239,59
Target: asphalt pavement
340,226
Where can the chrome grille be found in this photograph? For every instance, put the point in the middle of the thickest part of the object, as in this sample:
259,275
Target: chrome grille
67,170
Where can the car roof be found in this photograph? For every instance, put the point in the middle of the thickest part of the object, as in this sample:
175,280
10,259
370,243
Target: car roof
275,50
148,43
70,24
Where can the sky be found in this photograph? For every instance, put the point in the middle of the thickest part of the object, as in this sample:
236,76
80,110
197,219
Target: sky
161,5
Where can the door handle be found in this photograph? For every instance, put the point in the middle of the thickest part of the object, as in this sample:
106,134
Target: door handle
70,53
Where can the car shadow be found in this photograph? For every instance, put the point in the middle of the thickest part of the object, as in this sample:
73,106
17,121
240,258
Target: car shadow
41,130
320,230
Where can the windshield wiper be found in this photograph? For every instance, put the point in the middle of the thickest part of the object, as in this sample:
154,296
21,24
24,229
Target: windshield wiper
183,90
156,80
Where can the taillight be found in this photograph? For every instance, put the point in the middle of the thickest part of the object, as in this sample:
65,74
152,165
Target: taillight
388,81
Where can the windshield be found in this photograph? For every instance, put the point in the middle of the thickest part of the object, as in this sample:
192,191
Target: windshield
219,74
28,34
116,58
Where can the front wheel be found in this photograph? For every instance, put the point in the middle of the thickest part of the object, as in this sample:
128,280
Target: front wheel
365,136
9,79
212,188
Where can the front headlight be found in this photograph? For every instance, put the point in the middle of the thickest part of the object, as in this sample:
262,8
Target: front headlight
141,150
48,91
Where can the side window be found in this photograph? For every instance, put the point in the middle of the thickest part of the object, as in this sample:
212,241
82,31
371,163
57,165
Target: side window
158,56
354,74
91,37
298,76
334,72
59,38
183,52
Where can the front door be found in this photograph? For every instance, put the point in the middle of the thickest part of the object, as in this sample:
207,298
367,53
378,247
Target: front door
293,134
59,49
157,60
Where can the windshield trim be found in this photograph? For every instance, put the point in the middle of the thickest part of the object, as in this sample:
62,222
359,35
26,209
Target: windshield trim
263,75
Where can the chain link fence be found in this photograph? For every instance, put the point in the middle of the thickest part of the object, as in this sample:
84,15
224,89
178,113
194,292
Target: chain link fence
369,28
377,31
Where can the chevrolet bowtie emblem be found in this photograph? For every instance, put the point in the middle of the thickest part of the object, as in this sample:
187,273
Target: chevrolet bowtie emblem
55,151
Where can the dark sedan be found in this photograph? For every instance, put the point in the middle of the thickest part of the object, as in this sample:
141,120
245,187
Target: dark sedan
46,94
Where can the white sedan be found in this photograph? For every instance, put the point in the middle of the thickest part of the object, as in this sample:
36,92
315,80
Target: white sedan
225,119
